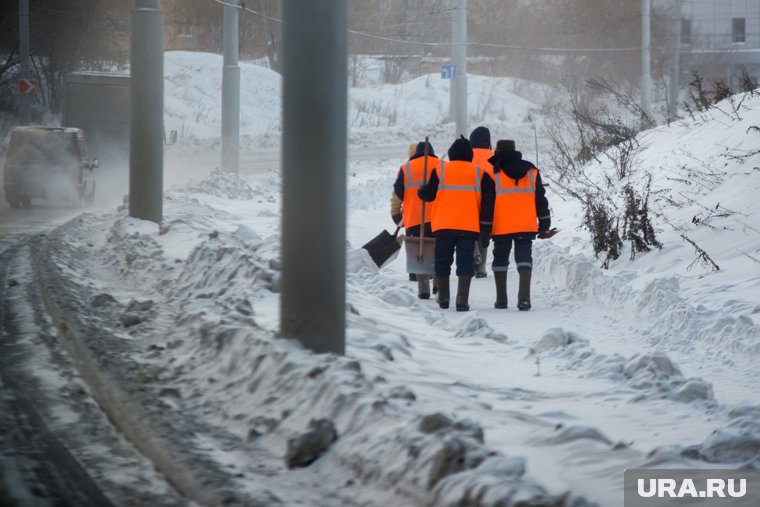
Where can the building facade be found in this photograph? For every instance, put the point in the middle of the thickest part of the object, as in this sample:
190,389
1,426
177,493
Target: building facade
720,39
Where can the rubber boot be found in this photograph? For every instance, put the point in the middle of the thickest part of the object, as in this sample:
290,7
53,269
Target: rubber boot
463,293
500,277
435,284
423,287
443,292
523,291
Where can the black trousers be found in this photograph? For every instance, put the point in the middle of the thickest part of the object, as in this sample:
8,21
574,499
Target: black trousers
502,246
445,246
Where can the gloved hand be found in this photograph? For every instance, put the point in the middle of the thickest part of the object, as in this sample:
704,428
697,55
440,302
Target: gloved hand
544,224
485,235
397,218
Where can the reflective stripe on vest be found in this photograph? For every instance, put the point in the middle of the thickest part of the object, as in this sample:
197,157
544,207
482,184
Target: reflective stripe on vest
530,189
471,188
409,181
412,208
515,207
457,203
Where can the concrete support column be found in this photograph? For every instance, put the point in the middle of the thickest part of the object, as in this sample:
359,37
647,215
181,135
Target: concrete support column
675,72
458,99
315,94
24,99
146,142
646,74
231,90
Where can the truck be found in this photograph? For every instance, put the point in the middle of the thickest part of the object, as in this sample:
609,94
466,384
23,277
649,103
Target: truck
99,104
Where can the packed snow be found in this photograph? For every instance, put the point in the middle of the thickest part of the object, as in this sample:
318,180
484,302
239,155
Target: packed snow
651,363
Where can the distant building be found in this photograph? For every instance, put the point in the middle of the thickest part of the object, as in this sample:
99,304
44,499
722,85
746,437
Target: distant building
719,38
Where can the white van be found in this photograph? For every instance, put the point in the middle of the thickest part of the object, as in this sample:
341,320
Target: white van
49,163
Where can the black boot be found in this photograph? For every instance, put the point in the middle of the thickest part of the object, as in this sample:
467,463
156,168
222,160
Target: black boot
412,277
463,293
443,292
500,277
523,292
435,284
423,287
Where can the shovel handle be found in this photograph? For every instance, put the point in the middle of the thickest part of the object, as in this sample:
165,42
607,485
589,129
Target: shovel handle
420,254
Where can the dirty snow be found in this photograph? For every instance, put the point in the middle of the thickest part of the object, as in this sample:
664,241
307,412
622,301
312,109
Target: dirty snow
653,362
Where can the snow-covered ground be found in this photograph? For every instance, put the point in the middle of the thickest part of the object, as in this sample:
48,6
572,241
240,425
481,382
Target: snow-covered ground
652,363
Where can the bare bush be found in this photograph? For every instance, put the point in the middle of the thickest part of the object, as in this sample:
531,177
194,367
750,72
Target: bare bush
746,82
602,222
603,127
637,223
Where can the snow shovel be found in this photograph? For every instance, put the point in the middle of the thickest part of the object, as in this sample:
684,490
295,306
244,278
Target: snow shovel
384,247
548,234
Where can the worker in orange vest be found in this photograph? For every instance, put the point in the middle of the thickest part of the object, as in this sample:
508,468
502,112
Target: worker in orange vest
464,197
406,206
480,139
521,211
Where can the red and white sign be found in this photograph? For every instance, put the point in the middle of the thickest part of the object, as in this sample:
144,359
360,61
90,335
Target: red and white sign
26,86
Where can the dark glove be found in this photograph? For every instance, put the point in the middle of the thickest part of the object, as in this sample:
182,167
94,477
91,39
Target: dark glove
485,236
397,218
544,224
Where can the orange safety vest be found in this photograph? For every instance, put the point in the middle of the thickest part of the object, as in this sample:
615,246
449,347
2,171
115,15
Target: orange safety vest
457,203
413,179
515,206
480,158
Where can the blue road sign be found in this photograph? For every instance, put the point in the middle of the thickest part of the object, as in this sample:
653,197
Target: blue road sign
448,71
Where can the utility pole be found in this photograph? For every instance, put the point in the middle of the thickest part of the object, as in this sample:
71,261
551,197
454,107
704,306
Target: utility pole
231,90
646,76
458,98
146,140
675,72
24,99
315,79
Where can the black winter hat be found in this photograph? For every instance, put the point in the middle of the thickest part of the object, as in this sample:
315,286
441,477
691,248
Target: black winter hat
481,138
420,150
461,149
505,145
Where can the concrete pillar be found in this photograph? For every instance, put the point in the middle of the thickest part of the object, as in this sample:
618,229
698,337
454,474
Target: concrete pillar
231,90
146,142
315,94
646,73
458,99
24,99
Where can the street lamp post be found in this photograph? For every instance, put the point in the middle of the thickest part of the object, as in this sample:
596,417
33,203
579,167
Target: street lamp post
24,99
231,90
146,140
315,97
